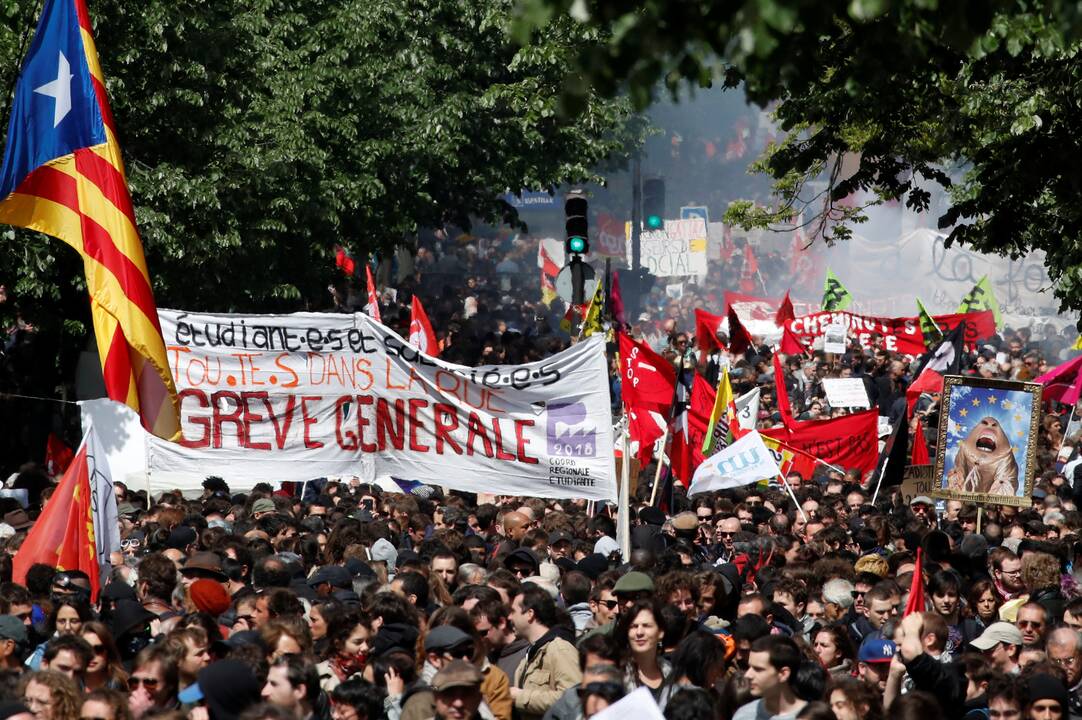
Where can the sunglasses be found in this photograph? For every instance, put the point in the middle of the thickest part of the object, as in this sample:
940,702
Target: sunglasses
610,604
726,534
98,649
150,684
462,652
89,717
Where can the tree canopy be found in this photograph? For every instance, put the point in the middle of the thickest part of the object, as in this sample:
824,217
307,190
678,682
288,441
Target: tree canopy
259,133
981,98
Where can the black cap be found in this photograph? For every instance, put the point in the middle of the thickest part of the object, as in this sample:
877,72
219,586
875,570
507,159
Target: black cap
181,537
593,565
336,575
130,616
652,516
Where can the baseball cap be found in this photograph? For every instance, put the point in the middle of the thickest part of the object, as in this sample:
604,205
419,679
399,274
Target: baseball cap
457,673
12,628
996,633
876,650
336,575
922,500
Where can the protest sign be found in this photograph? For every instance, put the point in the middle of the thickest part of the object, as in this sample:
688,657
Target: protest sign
987,441
608,239
899,334
310,394
916,481
676,250
846,392
834,338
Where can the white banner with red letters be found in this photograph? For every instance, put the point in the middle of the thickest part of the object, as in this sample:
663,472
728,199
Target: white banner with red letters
306,395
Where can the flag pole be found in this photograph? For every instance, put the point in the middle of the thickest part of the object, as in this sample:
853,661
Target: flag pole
793,496
879,482
623,509
660,464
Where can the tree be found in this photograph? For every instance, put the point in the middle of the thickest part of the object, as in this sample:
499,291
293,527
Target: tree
259,134
980,98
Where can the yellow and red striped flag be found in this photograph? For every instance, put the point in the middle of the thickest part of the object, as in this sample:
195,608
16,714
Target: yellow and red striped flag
63,176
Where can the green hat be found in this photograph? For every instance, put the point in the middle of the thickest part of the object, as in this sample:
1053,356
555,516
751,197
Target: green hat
634,581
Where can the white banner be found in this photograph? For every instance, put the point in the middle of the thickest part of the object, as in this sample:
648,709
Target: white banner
744,462
747,409
846,392
295,397
676,250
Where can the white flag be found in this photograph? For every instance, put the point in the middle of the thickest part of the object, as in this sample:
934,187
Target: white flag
747,409
102,505
744,462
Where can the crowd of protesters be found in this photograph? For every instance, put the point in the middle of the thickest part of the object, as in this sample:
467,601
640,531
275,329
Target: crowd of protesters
351,603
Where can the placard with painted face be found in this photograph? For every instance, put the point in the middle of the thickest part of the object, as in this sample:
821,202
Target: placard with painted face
987,440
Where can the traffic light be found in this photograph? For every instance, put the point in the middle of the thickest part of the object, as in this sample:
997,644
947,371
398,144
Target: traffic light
653,203
577,226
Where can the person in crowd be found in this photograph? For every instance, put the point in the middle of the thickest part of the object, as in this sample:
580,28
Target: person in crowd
550,665
50,695
772,667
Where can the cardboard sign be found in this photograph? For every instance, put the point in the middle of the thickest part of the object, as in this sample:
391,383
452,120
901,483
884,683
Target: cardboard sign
676,250
846,392
834,339
917,481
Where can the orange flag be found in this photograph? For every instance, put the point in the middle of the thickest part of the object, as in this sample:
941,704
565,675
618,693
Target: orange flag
63,535
422,336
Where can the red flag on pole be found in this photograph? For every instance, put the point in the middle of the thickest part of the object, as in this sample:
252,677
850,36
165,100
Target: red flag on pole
916,589
344,262
920,446
63,535
372,308
739,337
786,312
647,388
686,451
616,299
790,343
706,331
58,456
422,336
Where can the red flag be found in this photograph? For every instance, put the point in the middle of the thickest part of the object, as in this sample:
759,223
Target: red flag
548,266
63,535
749,273
1063,382
739,337
786,312
686,452
616,299
646,378
421,335
372,308
782,393
344,262
849,441
920,454
916,589
57,455
706,331
790,343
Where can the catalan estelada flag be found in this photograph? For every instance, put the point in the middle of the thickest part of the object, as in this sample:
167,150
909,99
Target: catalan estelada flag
63,176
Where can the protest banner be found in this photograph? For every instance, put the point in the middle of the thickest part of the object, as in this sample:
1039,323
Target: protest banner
846,392
676,250
293,397
899,334
916,481
834,337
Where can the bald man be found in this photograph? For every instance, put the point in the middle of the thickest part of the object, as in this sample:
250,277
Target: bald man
515,525
1064,648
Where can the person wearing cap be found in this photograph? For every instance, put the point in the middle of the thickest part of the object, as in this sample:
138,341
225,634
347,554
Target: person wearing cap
559,544
923,508
13,642
456,691
226,689
263,507
1046,698
1001,643
873,661
632,586
551,664
329,578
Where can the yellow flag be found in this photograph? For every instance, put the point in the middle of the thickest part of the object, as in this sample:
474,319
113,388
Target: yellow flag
722,418
591,322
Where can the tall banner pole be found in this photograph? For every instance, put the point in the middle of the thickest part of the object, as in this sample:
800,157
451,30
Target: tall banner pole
623,507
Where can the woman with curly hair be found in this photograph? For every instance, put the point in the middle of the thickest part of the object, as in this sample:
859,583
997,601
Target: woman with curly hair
856,699
105,669
50,695
347,649
1041,576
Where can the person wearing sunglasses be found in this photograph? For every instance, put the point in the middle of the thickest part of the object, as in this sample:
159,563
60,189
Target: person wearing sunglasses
104,704
152,686
105,669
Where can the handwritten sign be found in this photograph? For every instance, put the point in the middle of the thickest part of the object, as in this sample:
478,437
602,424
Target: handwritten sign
309,390
846,392
676,250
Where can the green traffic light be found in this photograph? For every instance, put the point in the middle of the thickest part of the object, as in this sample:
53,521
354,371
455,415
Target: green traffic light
654,222
577,244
